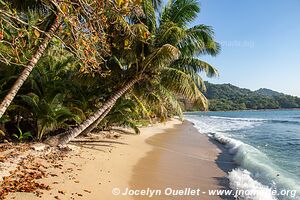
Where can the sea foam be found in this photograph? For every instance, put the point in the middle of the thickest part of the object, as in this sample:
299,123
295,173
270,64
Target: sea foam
248,188
256,172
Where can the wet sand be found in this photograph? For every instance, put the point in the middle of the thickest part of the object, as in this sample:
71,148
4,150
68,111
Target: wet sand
182,158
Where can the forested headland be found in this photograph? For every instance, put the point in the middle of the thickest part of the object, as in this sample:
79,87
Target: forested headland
224,97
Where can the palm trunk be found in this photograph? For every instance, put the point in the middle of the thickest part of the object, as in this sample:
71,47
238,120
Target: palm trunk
96,123
66,137
28,68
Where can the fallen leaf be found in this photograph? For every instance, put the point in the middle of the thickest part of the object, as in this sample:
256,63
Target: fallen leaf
37,33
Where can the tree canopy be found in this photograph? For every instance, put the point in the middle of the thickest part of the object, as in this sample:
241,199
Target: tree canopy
68,67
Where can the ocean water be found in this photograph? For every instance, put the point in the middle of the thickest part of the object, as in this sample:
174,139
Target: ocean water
265,146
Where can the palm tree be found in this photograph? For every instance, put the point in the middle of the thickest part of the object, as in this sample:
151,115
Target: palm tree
55,23
80,33
48,114
166,52
43,103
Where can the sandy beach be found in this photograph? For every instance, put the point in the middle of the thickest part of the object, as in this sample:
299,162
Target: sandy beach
171,155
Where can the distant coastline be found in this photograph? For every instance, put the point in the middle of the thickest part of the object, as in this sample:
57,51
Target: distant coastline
251,110
228,97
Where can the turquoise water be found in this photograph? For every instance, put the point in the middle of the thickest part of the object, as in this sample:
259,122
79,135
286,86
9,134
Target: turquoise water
265,145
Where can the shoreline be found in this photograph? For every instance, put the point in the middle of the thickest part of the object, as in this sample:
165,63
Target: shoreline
184,159
171,155
250,110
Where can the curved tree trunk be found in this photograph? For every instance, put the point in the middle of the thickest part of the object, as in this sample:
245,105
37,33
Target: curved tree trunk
66,137
29,67
96,123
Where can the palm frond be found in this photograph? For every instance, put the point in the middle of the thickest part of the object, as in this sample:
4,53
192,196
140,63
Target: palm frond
141,105
32,102
180,12
139,32
162,56
170,99
182,84
156,3
169,33
199,40
188,64
149,10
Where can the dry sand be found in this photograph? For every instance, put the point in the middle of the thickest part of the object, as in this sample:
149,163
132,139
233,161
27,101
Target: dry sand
171,155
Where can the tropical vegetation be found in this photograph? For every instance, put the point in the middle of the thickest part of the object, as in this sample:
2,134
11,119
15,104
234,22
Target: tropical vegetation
68,67
224,97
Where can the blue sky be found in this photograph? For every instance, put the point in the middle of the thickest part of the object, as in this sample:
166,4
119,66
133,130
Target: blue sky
260,42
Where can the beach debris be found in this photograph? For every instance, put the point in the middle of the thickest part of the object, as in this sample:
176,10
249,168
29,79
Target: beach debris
88,191
38,193
24,179
61,192
59,166
51,174
39,147
23,166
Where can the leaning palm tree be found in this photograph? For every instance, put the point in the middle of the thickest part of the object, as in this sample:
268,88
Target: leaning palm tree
166,52
74,25
8,14
169,53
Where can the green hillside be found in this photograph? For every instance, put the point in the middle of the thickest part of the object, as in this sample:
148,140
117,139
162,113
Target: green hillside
230,97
